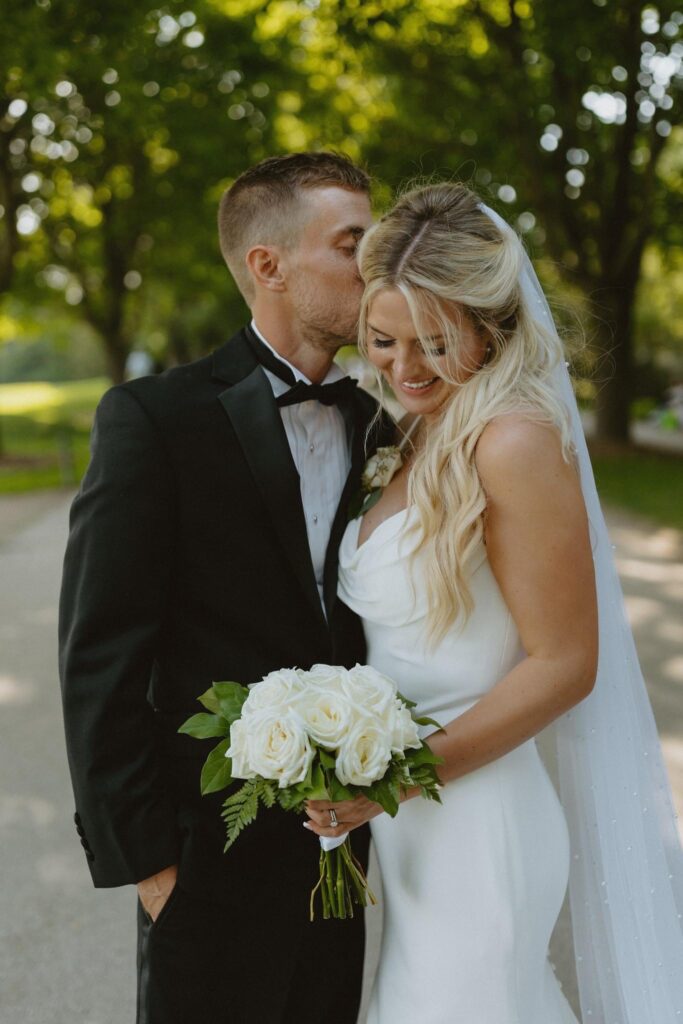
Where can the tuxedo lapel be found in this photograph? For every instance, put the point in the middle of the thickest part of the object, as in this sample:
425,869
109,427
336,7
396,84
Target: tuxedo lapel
250,406
356,423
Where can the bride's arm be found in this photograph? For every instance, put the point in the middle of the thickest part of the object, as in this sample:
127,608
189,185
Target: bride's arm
538,546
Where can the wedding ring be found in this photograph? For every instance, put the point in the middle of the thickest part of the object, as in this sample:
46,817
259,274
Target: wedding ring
333,818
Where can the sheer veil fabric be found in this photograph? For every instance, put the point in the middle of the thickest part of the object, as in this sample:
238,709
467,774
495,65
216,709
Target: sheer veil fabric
626,873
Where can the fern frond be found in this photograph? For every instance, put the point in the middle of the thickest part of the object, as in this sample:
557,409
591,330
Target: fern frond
240,809
267,792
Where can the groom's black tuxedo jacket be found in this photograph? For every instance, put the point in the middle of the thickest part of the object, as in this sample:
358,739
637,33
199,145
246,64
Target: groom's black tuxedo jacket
188,563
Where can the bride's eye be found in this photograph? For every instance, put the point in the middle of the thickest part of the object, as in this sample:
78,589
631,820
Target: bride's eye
382,342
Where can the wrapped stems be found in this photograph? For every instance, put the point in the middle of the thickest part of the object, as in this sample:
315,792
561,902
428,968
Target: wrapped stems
342,884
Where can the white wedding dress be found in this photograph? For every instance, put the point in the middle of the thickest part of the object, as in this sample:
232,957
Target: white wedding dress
472,887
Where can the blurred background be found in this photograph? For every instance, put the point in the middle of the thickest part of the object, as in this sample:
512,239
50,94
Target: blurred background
120,126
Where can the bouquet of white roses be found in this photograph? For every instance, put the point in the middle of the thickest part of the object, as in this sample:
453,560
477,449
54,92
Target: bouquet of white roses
327,734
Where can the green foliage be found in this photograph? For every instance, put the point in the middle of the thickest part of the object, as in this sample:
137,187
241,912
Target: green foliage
136,119
44,429
342,883
231,697
217,769
241,808
647,483
363,501
225,700
203,727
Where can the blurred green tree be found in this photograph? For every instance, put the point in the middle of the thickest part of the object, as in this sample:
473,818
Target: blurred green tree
117,146
569,112
120,126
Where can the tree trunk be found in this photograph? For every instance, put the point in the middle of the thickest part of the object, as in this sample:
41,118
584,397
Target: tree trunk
614,378
117,354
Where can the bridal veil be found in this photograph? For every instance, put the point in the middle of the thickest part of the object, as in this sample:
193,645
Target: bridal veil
626,873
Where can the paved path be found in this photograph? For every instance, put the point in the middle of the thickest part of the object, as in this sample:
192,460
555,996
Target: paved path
67,951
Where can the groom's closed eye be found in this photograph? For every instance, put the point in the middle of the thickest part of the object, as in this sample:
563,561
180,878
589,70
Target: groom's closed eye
351,238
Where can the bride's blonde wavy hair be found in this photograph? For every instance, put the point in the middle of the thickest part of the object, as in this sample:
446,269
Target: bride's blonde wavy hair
450,260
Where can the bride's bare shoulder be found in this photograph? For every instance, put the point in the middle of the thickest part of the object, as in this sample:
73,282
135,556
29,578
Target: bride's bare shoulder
514,444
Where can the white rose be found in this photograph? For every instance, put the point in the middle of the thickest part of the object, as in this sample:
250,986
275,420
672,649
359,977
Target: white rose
364,755
275,691
369,691
381,467
327,716
239,751
405,732
278,745
330,678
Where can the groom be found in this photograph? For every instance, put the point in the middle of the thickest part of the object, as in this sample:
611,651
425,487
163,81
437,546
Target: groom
203,547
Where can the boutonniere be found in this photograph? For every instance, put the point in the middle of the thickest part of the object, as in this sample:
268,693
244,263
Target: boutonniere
379,470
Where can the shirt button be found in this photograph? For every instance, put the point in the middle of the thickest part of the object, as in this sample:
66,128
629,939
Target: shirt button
311,447
315,519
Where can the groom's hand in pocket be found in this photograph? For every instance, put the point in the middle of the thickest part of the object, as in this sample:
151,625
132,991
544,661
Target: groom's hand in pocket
155,890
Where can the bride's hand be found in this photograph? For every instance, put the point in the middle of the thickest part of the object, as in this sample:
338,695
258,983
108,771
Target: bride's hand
350,814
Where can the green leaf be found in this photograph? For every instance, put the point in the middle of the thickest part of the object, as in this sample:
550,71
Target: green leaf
336,790
425,755
362,502
371,500
408,703
428,721
217,770
289,799
385,794
326,759
210,701
317,786
203,726
231,697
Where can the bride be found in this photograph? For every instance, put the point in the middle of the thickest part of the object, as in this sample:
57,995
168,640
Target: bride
475,577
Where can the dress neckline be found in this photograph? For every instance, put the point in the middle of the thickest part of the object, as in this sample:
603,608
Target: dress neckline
395,515
406,437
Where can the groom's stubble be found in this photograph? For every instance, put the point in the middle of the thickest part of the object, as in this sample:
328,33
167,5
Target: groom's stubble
324,287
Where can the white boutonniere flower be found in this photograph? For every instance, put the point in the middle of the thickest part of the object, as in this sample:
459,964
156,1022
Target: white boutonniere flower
379,470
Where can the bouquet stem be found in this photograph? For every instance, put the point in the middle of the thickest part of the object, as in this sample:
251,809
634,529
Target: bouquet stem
342,884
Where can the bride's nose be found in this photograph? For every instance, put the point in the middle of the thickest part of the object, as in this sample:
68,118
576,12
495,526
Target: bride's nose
407,364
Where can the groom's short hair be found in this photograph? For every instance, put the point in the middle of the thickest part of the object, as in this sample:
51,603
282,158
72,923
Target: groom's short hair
264,204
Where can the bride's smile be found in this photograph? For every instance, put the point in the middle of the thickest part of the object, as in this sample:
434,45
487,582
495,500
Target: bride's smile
408,362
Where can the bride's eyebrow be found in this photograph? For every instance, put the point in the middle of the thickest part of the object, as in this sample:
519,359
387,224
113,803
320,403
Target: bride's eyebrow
428,338
378,331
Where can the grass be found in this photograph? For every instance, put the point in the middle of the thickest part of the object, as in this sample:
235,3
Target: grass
40,420
645,482
45,429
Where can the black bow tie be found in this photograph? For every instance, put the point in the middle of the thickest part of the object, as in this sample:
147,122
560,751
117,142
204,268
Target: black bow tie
339,392
336,393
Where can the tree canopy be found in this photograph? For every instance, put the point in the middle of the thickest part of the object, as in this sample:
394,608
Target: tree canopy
121,125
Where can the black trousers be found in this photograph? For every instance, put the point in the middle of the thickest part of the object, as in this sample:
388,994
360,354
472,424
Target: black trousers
200,963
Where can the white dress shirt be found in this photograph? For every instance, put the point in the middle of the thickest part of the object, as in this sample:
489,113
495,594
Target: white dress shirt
317,439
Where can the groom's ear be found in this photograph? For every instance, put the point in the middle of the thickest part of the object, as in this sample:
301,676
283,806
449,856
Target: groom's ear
264,265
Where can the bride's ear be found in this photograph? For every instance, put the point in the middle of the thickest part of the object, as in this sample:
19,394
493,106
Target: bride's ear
264,265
